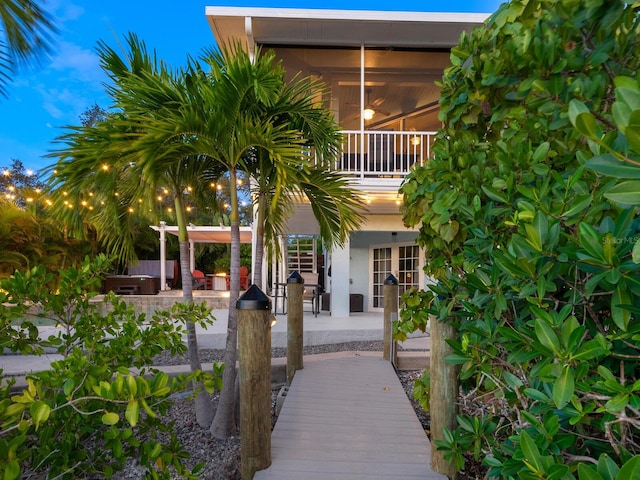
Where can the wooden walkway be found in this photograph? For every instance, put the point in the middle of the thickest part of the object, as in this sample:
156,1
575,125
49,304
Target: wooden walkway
348,419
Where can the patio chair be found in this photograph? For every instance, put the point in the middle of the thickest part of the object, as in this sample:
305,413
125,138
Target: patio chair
312,290
199,280
244,279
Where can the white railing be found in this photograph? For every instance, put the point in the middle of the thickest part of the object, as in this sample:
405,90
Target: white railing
379,155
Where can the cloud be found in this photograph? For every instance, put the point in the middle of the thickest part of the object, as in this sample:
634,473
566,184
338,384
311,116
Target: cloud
77,63
64,11
66,104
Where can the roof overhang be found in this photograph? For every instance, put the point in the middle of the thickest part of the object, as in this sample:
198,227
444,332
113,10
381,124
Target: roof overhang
288,26
207,234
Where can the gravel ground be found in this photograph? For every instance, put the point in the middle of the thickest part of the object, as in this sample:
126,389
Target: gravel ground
222,457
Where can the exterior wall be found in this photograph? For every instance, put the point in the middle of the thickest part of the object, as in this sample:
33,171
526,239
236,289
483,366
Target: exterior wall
360,271
340,275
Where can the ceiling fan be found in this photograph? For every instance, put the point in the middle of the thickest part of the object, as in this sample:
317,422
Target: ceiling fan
372,108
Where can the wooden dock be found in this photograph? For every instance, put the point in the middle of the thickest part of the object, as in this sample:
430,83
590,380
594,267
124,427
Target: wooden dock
348,419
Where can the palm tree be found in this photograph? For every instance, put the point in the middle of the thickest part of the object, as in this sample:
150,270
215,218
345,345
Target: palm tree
208,122
117,155
334,203
234,93
265,126
25,34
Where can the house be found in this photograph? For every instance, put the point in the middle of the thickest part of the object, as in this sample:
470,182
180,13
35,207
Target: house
382,69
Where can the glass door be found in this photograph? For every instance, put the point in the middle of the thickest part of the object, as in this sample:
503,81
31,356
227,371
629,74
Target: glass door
382,264
408,267
403,261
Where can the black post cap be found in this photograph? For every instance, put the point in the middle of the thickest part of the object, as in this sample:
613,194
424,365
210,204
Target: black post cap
295,278
391,280
253,299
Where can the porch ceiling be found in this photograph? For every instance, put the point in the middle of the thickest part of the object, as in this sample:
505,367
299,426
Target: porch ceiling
302,221
278,26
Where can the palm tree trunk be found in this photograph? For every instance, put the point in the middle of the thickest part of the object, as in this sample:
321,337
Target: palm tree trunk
202,401
259,252
224,422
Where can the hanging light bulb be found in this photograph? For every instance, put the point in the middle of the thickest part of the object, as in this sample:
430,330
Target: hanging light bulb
368,113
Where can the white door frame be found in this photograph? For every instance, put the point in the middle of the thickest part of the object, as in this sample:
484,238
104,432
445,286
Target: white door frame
395,261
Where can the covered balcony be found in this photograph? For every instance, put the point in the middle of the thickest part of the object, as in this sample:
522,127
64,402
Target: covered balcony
382,158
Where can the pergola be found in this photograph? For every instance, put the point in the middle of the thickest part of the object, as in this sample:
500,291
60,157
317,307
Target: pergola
197,234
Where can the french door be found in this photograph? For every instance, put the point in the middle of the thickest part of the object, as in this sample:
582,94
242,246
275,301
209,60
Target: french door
404,261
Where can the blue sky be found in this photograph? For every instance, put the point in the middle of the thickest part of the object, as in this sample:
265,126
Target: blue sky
45,98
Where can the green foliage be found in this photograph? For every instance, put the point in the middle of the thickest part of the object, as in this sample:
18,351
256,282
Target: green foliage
421,389
530,250
28,239
616,154
102,401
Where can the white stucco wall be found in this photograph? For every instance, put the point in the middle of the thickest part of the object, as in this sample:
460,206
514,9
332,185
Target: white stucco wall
360,272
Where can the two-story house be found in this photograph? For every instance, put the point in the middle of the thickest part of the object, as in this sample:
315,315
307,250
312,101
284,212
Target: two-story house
382,68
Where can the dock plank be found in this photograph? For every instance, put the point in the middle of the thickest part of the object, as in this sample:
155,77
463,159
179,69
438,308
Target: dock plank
348,419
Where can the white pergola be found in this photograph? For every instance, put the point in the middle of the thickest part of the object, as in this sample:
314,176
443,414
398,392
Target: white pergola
197,234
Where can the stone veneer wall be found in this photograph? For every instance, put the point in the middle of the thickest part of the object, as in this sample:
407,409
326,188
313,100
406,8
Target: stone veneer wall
149,304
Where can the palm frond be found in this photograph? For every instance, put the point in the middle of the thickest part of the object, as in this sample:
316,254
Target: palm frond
28,32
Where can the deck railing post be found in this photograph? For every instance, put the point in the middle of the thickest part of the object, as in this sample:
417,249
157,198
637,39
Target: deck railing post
295,289
254,354
443,403
390,303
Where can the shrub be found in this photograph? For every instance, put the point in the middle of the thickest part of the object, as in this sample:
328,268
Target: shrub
532,260
102,402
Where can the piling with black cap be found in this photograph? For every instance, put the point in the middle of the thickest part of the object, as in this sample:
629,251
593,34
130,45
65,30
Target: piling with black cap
254,354
295,324
390,304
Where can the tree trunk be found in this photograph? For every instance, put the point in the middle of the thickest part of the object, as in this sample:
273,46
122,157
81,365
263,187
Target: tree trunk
259,251
224,422
202,401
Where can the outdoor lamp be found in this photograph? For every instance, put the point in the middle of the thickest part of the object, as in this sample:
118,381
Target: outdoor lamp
368,113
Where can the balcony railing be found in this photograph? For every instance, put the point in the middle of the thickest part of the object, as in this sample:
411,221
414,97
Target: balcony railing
372,157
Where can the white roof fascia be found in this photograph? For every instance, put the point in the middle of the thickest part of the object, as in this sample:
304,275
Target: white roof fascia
367,15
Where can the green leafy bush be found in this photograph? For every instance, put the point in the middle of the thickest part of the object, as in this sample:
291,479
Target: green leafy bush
531,255
102,402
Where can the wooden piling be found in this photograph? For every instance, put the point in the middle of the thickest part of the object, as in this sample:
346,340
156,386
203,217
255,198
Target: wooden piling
390,304
295,325
443,404
254,349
